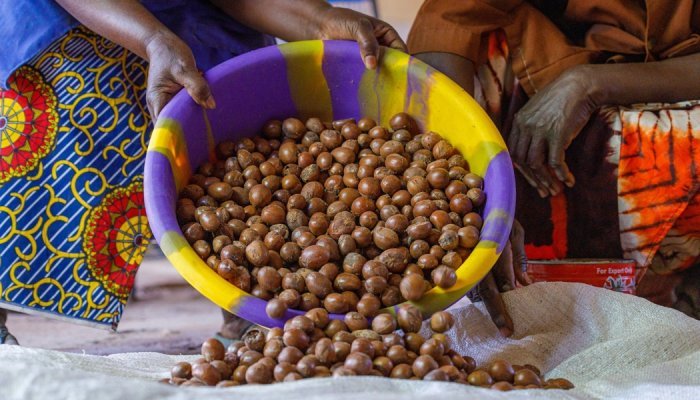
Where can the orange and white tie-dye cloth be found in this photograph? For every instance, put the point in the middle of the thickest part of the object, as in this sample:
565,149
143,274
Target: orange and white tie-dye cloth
637,170
658,199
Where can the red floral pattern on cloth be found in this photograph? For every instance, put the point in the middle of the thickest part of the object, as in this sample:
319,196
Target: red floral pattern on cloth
116,238
28,123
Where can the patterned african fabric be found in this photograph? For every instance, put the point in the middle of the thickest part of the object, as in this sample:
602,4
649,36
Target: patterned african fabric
73,135
636,168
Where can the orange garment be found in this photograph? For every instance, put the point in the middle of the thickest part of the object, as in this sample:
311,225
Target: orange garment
611,31
658,185
637,192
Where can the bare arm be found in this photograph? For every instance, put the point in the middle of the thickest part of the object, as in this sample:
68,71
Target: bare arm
672,80
125,22
129,24
288,20
314,19
545,127
457,68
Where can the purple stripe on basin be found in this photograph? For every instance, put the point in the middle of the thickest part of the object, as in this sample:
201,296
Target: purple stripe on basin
255,87
419,83
238,99
249,103
253,309
499,183
343,69
159,194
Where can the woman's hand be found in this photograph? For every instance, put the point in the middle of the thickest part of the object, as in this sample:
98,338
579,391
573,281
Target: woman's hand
370,33
172,67
552,118
129,24
314,19
545,127
509,270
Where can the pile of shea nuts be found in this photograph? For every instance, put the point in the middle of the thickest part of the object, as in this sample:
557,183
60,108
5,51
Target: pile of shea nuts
314,346
347,216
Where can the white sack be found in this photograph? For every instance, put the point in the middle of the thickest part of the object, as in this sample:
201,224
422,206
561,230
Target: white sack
610,345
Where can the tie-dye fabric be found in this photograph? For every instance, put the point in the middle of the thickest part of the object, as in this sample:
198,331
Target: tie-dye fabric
636,193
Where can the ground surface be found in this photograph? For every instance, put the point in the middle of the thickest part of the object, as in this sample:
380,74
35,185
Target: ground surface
166,316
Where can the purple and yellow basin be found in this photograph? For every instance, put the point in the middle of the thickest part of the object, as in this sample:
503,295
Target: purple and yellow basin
325,79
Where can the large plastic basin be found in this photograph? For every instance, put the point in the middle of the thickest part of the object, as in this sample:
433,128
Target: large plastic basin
325,79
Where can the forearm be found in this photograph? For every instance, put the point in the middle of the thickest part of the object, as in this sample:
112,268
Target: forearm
457,68
124,22
288,20
667,81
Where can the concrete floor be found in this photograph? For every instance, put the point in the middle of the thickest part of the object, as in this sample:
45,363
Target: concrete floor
165,315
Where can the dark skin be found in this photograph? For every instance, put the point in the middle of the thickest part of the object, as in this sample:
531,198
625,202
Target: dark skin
545,127
171,63
504,276
303,20
551,119
173,67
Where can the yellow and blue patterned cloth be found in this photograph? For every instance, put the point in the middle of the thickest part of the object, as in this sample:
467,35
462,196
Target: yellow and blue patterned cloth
74,131
73,228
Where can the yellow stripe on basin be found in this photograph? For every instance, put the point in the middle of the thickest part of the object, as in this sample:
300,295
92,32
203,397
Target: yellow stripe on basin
307,83
382,91
407,84
455,116
169,140
198,274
